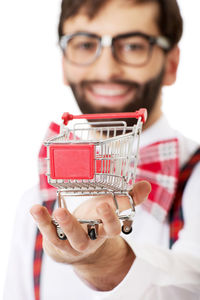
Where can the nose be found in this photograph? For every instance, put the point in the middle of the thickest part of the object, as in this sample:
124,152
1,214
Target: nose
106,68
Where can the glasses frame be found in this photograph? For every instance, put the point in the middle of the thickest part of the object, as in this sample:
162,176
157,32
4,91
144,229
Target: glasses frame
109,41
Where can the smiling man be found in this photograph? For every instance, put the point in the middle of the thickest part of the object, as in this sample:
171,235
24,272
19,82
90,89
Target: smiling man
117,56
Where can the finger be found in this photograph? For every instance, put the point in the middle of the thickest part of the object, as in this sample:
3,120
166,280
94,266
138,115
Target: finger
47,229
140,191
111,223
75,233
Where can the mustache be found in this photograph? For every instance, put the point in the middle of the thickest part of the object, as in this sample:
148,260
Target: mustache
128,83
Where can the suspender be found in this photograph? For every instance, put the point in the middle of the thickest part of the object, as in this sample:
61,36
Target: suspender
175,219
176,214
38,253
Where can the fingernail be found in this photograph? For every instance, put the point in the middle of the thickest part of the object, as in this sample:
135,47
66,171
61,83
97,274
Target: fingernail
35,217
145,189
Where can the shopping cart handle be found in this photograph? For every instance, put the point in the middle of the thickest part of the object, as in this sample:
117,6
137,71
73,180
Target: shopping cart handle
141,113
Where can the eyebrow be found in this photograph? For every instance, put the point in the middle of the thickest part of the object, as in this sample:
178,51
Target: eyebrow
136,32
80,32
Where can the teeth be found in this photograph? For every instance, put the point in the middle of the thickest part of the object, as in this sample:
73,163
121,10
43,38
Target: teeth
107,92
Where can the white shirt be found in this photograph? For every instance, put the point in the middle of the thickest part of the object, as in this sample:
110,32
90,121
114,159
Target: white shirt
157,272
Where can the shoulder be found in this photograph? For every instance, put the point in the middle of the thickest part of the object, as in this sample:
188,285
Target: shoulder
187,147
192,192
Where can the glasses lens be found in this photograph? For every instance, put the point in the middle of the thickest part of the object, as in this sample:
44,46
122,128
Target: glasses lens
133,50
82,49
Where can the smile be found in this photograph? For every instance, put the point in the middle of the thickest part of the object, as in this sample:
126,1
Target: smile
110,91
110,94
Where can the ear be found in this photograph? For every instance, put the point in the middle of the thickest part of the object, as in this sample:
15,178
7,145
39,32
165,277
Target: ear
172,62
65,80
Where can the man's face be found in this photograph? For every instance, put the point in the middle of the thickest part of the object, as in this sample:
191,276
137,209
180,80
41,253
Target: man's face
107,85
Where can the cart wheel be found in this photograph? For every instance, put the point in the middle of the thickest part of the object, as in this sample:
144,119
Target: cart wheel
61,234
92,234
126,230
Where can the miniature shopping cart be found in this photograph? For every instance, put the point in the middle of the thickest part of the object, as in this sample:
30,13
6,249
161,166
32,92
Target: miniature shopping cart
95,157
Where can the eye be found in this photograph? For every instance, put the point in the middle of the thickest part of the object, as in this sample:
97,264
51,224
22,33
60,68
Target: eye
134,47
84,46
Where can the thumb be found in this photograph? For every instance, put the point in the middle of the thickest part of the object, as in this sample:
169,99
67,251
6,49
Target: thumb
140,191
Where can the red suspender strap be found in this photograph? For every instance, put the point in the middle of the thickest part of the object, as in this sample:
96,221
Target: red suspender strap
38,253
176,215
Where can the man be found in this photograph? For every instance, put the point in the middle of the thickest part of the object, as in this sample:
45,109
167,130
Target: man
117,55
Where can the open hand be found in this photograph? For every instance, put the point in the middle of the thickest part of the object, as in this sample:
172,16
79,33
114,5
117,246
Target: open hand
79,249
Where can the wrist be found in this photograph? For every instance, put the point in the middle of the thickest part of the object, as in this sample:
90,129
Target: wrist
107,267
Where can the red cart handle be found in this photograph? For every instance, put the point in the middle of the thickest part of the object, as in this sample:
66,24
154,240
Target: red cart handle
141,113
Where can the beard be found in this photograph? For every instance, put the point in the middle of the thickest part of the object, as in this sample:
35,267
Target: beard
146,96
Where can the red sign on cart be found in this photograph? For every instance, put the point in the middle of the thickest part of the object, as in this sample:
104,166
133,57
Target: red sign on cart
71,161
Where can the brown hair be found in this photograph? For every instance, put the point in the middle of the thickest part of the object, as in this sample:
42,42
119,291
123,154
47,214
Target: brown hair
170,21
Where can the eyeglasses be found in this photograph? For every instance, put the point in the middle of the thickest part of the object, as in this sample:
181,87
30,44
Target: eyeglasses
134,49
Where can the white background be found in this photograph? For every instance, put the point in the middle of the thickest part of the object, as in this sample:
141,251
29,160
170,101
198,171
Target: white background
32,95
